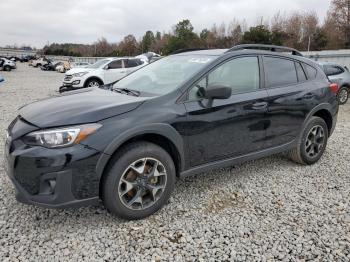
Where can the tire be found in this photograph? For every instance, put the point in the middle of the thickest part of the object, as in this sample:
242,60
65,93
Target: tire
93,83
343,95
302,154
122,174
7,68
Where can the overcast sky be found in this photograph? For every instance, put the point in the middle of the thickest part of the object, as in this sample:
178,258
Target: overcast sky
36,22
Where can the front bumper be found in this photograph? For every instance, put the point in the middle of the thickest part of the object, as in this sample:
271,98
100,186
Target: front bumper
73,82
54,178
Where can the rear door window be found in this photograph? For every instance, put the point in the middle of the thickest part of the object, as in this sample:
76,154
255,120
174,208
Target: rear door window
133,62
279,72
115,64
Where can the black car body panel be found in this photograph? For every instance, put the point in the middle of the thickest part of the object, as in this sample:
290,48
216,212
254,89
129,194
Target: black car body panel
83,106
197,134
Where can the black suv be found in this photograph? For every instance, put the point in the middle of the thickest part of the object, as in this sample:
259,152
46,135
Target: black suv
184,114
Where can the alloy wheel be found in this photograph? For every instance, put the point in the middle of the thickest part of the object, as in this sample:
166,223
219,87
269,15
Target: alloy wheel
315,141
142,184
93,84
343,96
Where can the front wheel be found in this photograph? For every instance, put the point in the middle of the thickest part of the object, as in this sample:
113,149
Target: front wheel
93,83
7,68
312,142
343,95
139,181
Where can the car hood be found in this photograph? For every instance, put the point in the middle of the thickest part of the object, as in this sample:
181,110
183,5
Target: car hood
78,70
86,105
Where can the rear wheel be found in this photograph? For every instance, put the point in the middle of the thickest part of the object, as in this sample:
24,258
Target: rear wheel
343,95
139,181
312,143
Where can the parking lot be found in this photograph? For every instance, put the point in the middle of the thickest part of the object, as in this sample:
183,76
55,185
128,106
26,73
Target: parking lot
267,209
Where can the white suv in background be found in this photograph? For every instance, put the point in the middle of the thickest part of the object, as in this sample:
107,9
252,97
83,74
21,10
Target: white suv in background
103,72
6,64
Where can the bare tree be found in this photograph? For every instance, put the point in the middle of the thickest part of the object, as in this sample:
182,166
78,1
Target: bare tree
337,24
235,32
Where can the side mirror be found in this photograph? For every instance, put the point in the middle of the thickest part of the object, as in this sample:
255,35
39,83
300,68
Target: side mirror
218,92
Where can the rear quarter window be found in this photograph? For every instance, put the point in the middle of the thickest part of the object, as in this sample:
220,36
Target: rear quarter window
300,72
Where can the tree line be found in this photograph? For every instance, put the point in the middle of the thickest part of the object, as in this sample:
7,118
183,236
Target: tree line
301,30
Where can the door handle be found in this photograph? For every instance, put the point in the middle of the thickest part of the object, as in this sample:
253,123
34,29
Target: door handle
260,105
309,96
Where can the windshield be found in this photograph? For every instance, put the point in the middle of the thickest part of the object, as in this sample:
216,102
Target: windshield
164,75
99,63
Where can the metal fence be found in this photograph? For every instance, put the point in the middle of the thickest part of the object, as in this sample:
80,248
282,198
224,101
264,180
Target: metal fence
15,52
341,57
337,56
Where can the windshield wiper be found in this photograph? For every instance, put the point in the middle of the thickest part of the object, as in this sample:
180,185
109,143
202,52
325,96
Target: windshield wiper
127,91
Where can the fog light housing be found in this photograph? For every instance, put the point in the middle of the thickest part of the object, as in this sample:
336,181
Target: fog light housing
47,186
76,82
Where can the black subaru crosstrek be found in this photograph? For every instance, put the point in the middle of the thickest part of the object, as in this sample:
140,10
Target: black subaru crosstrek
187,113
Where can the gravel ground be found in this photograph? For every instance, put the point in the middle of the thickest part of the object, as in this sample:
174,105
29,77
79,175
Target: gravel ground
270,209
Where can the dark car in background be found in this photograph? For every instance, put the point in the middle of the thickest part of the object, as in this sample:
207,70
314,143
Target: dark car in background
340,75
181,115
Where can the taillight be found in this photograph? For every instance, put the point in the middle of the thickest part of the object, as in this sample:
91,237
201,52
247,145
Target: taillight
334,88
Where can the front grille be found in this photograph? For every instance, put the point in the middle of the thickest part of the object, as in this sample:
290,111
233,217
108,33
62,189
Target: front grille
68,77
10,127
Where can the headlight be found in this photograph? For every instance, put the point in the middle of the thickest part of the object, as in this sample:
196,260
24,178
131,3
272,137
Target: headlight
80,74
61,137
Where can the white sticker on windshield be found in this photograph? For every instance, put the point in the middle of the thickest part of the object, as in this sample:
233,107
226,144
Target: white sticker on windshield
199,60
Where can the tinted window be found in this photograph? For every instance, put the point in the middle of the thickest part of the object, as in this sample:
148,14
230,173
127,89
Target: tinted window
241,74
332,70
300,72
134,62
279,72
115,64
311,72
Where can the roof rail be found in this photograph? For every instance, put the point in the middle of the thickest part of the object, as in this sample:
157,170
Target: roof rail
272,48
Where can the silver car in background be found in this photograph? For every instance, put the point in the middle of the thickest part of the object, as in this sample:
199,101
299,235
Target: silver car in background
340,75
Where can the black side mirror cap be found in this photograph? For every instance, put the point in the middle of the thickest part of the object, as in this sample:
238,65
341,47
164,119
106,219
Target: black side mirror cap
218,92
